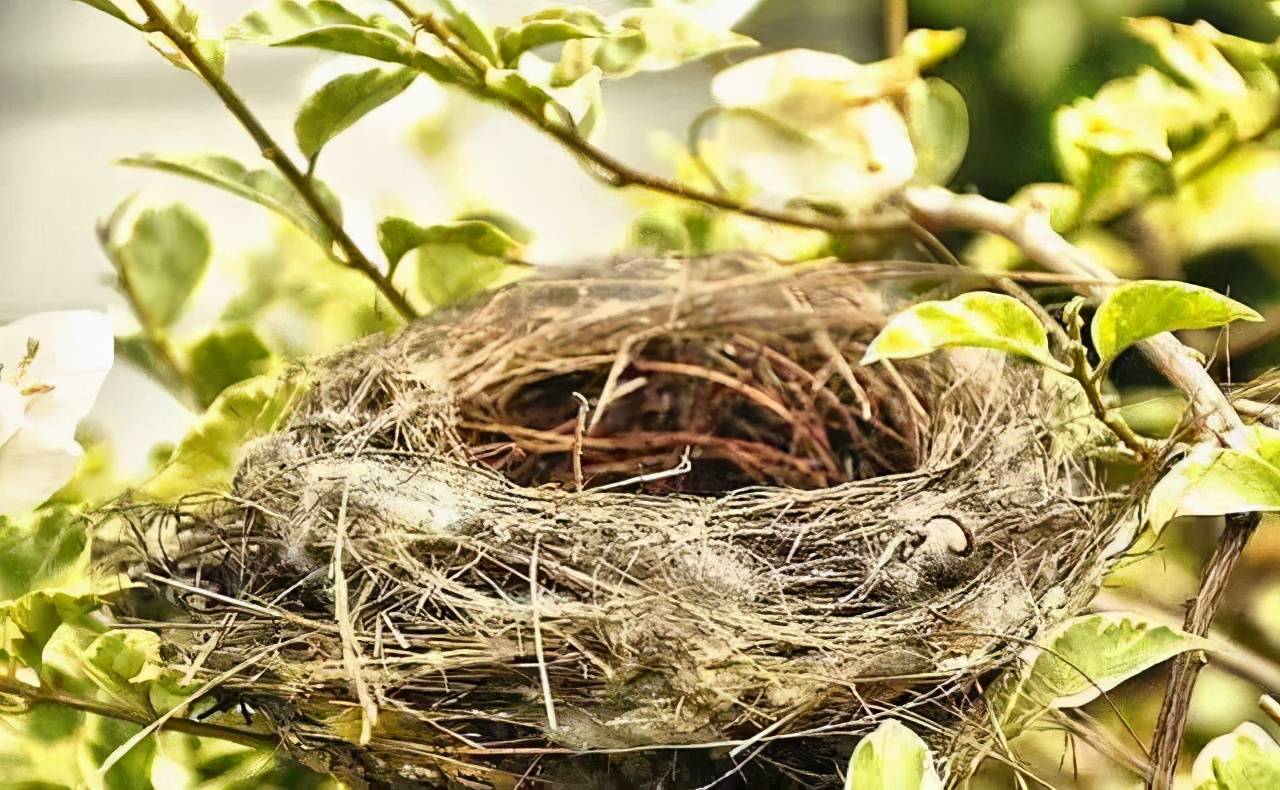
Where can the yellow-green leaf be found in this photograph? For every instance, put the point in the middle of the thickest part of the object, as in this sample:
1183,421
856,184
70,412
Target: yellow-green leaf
110,8
398,237
927,48
1247,758
892,757
164,260
340,103
1082,659
1213,481
374,43
205,458
226,356
979,319
1141,309
938,120
551,26
265,187
277,20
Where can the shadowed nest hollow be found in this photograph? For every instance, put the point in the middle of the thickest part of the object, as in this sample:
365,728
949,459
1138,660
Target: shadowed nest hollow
645,523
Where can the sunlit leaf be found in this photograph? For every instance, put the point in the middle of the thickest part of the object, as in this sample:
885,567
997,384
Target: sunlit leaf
979,319
50,551
551,26
225,356
277,20
649,39
205,458
164,261
473,33
1250,94
892,757
1247,758
102,737
122,659
265,187
1138,310
108,7
927,48
1213,481
340,103
211,49
376,44
28,623
1082,659
398,237
938,120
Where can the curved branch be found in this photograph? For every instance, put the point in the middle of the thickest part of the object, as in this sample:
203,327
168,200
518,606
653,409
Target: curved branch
272,152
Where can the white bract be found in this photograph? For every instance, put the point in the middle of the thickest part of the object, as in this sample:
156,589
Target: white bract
51,368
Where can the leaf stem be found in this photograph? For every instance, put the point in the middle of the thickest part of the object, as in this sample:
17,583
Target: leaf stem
35,696
617,174
272,152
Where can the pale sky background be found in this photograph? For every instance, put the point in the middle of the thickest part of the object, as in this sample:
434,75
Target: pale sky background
79,90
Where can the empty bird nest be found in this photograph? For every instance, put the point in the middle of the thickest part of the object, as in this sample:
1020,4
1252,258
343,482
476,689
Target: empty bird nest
647,523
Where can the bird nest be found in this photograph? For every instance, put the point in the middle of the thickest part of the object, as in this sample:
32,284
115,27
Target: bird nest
646,523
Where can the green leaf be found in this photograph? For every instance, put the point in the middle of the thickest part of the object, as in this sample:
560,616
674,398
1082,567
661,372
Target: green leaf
205,458
647,39
1212,481
122,659
926,48
892,757
277,20
339,104
398,237
28,623
552,26
1081,659
472,33
212,50
164,260
1244,759
979,319
376,44
267,188
108,7
1138,310
226,356
51,551
102,737
938,120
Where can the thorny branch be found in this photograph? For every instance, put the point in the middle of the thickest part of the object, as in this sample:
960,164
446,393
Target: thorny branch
352,255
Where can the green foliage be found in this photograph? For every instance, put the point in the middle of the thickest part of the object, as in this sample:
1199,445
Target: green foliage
49,552
211,48
278,20
1080,660
108,7
205,458
1138,310
29,622
977,320
378,44
123,662
164,261
1214,481
475,35
456,260
938,120
892,757
226,356
1244,759
267,188
339,104
552,26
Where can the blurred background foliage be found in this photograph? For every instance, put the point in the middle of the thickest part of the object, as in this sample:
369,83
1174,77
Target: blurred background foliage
1023,60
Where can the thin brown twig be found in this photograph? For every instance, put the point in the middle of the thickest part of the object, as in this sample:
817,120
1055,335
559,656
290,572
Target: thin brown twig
354,257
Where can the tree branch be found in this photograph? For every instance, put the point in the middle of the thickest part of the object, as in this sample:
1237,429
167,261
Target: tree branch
1032,233
271,150
1166,744
36,696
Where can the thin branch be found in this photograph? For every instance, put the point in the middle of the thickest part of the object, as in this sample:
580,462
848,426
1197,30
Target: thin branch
36,696
895,25
354,257
935,207
615,173
1166,744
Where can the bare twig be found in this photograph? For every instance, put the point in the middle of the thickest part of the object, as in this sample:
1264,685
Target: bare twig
353,256
1166,744
895,25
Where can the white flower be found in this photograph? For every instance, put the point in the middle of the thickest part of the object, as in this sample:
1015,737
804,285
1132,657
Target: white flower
51,368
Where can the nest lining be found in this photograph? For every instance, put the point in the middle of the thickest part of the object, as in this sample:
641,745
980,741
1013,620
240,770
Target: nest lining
840,545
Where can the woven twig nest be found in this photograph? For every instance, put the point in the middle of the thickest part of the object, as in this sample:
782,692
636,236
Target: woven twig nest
773,548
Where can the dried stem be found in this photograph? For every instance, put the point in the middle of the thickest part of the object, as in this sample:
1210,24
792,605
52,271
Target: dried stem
1166,744
38,696
353,256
